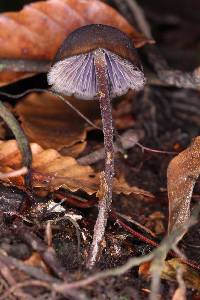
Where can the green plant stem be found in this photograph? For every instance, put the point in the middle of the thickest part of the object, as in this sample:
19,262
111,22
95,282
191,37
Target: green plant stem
21,139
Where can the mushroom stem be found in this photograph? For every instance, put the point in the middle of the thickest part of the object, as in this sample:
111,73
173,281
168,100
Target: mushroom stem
108,174
21,139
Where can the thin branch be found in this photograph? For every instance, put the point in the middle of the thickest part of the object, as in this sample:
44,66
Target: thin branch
25,284
140,18
127,141
15,173
47,253
74,108
166,74
20,137
133,262
158,255
29,270
24,65
8,276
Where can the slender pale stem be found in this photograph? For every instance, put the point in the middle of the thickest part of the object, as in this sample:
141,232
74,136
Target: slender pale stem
107,178
22,141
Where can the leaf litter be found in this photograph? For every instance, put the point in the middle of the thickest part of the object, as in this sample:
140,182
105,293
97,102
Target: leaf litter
183,172
163,115
28,42
51,123
51,171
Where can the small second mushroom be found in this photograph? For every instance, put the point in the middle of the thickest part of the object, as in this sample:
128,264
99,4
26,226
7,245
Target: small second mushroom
98,62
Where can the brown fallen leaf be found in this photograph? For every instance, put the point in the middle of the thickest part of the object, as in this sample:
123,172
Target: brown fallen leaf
190,277
52,171
20,32
182,174
35,260
52,124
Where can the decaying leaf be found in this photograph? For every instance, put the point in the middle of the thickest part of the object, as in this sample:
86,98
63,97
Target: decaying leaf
20,32
182,174
52,171
35,260
51,123
190,277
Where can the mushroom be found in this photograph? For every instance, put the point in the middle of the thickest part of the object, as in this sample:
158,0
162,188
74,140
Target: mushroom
98,62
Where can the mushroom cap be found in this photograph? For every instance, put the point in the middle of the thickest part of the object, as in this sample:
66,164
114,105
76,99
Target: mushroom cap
91,37
74,73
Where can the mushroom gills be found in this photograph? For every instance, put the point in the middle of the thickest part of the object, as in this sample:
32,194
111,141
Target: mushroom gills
75,76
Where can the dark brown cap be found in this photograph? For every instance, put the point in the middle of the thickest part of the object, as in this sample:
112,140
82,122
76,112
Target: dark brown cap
91,37
74,72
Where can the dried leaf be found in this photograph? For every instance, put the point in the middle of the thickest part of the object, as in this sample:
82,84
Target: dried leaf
182,174
190,277
52,171
51,123
35,260
20,32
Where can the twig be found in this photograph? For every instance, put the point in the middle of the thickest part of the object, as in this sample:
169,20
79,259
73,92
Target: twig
140,18
127,140
144,148
74,295
6,273
157,256
131,220
134,233
25,284
30,270
48,233
133,262
47,253
171,242
167,75
21,139
75,109
15,173
35,66
24,65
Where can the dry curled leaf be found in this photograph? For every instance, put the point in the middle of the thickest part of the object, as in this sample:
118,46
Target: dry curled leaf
52,171
52,124
56,19
182,174
190,277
